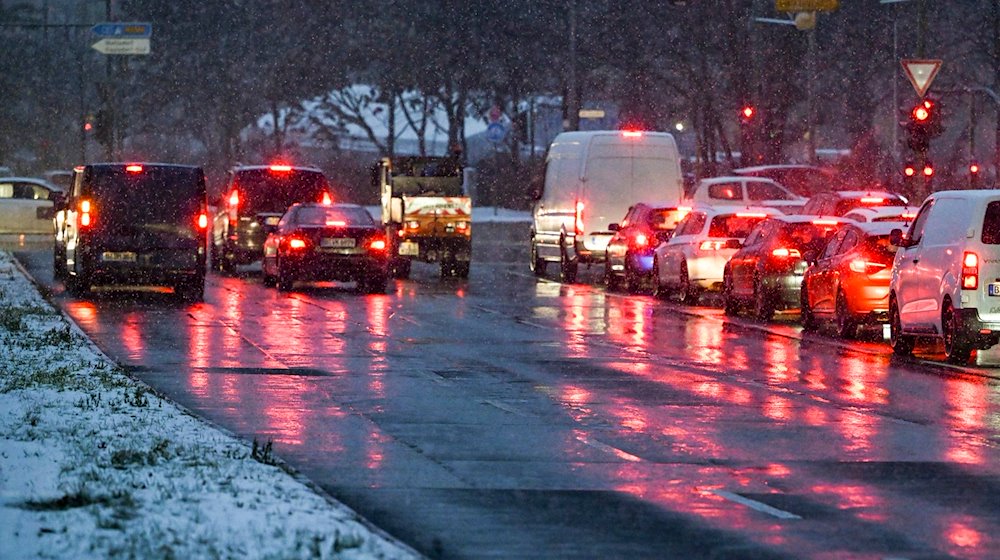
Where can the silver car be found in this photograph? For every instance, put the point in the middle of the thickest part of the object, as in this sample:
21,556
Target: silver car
27,205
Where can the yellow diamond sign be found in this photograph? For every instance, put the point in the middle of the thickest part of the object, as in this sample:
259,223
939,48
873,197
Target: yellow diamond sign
805,5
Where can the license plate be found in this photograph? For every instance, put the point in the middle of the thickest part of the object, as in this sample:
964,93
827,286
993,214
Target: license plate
338,242
409,248
108,256
272,220
993,289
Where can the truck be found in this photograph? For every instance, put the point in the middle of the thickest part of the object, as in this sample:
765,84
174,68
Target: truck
426,212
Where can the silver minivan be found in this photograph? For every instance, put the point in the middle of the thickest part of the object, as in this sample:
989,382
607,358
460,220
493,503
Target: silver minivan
946,275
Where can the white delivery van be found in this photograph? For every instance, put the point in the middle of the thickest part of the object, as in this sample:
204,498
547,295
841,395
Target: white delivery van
946,276
591,180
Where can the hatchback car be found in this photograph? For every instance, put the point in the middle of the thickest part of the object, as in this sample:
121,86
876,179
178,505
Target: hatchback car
900,214
766,273
693,259
745,191
257,196
319,242
27,205
838,203
849,282
137,224
629,256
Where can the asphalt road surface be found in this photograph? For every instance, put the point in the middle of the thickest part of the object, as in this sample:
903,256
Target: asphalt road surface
512,417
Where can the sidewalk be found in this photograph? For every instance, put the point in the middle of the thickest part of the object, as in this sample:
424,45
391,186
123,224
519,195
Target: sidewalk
95,465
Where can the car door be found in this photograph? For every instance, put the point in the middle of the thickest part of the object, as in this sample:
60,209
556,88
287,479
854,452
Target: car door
822,276
742,264
906,283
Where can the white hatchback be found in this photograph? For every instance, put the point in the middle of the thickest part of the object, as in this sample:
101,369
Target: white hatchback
692,260
27,205
946,275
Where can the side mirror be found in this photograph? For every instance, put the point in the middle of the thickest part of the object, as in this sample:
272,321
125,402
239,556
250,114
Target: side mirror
614,227
734,244
896,238
810,256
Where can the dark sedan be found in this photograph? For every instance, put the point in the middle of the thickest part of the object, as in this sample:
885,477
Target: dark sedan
320,242
766,273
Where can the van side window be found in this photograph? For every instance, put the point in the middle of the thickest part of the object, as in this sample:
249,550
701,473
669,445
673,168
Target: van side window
726,191
991,224
916,232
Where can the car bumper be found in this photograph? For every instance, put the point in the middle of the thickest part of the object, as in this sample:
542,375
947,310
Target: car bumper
983,334
340,268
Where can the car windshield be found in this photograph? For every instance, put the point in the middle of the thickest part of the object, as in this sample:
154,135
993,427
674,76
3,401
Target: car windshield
155,195
333,216
733,225
267,190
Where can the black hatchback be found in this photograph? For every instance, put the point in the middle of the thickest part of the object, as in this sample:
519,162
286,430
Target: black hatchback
137,224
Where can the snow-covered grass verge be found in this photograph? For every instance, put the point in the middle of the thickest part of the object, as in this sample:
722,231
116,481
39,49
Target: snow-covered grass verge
94,465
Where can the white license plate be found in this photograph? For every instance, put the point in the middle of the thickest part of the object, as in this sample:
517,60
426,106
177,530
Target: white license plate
272,220
410,248
993,289
108,256
338,242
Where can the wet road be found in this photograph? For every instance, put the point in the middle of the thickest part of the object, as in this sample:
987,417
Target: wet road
511,417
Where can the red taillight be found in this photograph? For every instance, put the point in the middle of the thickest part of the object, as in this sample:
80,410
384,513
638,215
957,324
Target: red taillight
280,168
326,199
712,245
133,168
872,200
296,243
336,223
578,222
234,199
751,215
784,253
640,240
86,220
861,266
632,133
822,222
202,221
970,271
377,245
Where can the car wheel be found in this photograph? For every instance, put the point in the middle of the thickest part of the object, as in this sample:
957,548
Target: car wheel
284,281
902,345
373,285
400,268
808,318
611,280
730,306
763,309
58,265
226,265
688,293
567,267
659,290
190,290
847,327
633,280
537,264
957,348
269,280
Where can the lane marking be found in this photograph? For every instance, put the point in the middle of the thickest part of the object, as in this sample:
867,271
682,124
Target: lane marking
505,407
609,449
755,505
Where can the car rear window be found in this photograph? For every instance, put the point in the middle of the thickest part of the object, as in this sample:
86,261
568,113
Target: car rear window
880,245
333,215
804,237
991,224
666,218
732,225
848,204
266,190
155,195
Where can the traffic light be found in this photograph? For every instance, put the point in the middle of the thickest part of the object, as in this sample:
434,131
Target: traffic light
749,135
923,123
974,170
747,114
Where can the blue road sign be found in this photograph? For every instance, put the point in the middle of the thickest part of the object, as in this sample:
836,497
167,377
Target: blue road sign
123,30
495,132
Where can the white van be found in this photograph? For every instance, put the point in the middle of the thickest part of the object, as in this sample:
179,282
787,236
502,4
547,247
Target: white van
946,275
591,180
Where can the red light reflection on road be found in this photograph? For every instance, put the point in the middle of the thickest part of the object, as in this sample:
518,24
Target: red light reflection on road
966,403
83,312
860,500
576,325
962,535
132,337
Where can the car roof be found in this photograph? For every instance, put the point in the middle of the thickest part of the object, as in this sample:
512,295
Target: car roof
861,194
731,178
32,180
783,167
321,205
975,194
663,205
142,163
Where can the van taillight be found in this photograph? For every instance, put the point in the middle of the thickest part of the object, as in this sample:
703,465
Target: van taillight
86,219
578,222
970,271
234,199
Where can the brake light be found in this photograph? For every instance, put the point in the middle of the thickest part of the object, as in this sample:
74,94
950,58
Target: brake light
86,220
234,199
872,200
327,200
640,240
712,245
296,243
751,215
970,271
336,223
280,168
861,266
785,252
824,222
133,168
377,245
578,222
632,133
908,215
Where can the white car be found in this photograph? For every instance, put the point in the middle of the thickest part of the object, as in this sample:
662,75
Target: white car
27,205
883,214
745,191
693,259
946,275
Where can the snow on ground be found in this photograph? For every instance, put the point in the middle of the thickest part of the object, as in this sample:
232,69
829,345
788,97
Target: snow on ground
94,465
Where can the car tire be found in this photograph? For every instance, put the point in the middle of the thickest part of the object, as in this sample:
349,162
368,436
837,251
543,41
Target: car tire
689,294
730,305
847,326
902,345
268,280
373,284
190,291
400,268
763,309
633,280
568,267
612,282
957,348
536,263
808,317
285,282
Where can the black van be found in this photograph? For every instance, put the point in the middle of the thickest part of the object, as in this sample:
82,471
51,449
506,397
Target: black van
256,196
137,224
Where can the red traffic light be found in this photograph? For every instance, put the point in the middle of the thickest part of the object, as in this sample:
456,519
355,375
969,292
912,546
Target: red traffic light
928,170
922,112
909,170
974,168
748,112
